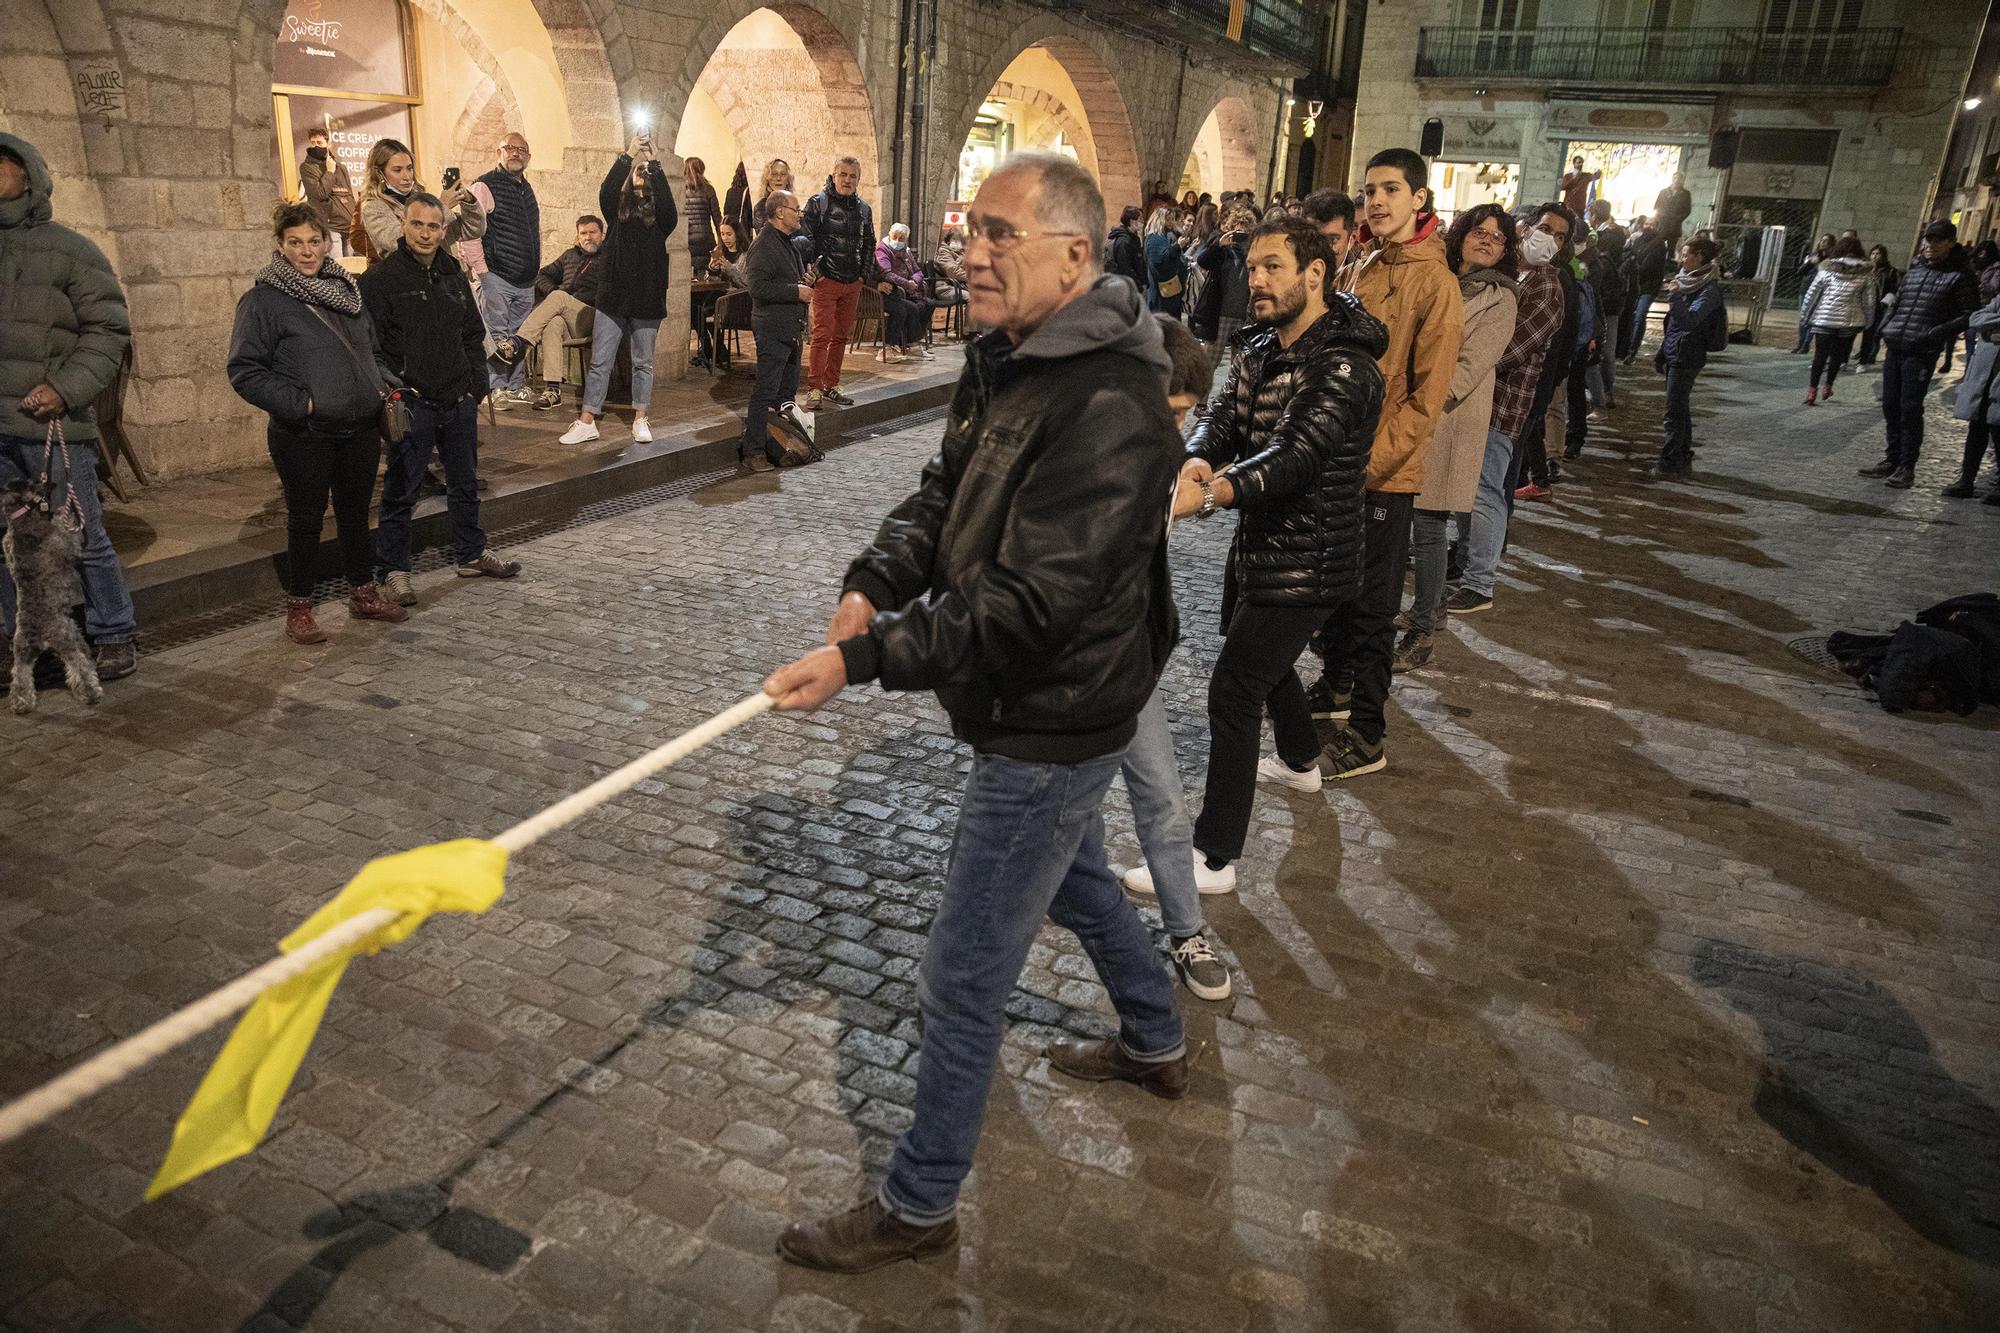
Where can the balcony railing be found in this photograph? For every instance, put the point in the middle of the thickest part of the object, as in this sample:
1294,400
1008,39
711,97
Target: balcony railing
1658,57
1284,31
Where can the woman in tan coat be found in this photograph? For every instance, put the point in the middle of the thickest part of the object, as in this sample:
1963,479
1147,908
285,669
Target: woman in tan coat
1480,250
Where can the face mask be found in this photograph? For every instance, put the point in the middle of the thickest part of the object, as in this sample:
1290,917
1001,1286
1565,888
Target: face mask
1539,247
316,153
899,246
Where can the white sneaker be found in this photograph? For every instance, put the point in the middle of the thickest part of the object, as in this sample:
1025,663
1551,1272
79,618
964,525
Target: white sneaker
1140,879
1273,769
642,430
579,432
893,357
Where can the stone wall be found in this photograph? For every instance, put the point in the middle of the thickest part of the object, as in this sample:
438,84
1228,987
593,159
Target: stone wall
156,118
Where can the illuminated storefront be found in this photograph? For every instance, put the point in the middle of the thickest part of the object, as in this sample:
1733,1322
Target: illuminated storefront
347,67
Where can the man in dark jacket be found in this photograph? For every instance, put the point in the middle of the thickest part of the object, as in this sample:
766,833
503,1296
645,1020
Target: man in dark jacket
1555,228
778,300
63,334
328,188
566,296
1288,445
1646,262
840,230
1933,302
505,262
1670,212
1026,583
1124,251
429,339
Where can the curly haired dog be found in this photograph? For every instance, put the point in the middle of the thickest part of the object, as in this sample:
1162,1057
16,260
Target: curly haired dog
41,555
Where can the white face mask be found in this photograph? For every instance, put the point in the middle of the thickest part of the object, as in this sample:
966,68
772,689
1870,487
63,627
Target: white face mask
897,245
1539,247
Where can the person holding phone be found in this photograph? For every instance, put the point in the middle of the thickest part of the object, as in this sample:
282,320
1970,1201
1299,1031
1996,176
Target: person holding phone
386,189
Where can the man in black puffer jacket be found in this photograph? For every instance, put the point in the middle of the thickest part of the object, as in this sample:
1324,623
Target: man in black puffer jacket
1288,445
840,231
1933,302
1026,584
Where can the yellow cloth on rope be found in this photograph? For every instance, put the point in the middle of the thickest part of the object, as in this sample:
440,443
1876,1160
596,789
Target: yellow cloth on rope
234,1105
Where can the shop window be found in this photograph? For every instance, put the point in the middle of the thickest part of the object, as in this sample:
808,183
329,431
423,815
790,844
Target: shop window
344,66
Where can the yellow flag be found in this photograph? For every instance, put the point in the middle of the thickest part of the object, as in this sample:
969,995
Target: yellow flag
235,1103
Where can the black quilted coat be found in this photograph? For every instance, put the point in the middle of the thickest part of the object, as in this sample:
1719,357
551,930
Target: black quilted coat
1293,425
1933,302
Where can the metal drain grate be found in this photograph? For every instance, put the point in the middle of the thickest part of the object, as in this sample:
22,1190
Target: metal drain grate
429,559
1813,649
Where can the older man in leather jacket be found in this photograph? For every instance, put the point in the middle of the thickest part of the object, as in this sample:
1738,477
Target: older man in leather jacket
1026,584
1287,445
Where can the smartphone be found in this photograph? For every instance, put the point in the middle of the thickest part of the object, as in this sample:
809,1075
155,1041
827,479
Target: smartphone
450,178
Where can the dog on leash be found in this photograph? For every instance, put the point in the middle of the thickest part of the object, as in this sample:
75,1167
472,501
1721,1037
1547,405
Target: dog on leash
41,555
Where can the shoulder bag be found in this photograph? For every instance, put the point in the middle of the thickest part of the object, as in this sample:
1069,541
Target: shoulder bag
393,421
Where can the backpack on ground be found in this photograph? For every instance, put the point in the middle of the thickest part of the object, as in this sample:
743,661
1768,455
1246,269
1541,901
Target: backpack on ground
791,437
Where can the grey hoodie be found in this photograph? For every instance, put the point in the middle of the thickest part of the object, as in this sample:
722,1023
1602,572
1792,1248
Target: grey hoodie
1110,317
62,315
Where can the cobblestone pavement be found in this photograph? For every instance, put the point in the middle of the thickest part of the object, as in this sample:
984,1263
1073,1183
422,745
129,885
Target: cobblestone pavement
1654,986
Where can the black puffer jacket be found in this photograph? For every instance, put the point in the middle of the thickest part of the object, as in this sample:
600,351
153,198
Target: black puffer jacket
1933,302
1026,580
1293,425
428,334
842,233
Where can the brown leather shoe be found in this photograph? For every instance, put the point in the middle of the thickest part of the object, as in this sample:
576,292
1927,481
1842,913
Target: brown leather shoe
864,1237
365,603
1103,1060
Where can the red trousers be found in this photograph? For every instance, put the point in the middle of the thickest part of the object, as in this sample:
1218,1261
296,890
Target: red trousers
834,305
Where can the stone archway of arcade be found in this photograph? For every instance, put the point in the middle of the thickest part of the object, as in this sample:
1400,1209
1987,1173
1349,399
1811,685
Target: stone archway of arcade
1224,155
160,125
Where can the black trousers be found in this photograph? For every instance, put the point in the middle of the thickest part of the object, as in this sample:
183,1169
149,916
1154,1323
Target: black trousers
315,462
1360,640
1576,429
777,382
1976,436
1256,670
1830,350
1906,378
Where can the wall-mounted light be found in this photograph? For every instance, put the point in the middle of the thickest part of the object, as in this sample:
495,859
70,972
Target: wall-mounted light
1972,104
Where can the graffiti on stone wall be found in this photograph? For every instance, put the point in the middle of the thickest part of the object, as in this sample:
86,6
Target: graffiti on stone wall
100,88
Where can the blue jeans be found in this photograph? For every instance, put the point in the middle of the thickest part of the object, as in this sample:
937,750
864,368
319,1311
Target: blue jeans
1488,534
1030,844
1159,809
1645,307
1679,420
107,606
503,306
1430,549
454,433
1602,379
606,331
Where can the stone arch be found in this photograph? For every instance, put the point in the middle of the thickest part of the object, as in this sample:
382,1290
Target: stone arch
1052,107
1223,154
1103,112
849,123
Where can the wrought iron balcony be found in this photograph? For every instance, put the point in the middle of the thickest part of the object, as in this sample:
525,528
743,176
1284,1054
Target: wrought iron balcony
1662,57
1284,33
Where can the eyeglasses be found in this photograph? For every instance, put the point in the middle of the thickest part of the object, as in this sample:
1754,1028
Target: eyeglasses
1000,237
1487,234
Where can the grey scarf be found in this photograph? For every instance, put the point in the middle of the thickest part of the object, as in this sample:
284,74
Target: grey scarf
1694,279
333,286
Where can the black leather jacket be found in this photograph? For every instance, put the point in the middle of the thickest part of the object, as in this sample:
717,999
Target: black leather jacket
1933,303
1026,580
1293,426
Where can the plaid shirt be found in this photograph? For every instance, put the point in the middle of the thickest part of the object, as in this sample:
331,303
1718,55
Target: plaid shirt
1539,320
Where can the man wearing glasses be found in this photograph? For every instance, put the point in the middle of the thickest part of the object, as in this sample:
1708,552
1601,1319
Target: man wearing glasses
778,300
1026,583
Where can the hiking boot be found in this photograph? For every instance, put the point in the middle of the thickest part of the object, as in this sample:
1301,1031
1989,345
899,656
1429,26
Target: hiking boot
1812,395
1198,968
579,432
490,566
1958,490
300,627
115,661
1104,1060
1466,602
1901,479
1402,621
365,603
1273,769
1328,700
836,397
1139,879
1414,651
1346,755
549,399
1879,471
757,461
397,584
864,1237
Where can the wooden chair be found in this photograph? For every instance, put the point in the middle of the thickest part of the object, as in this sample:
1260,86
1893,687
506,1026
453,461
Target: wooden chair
115,444
732,317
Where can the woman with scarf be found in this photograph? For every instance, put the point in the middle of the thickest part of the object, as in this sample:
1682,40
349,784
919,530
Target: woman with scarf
303,351
1697,323
1166,266
386,188
1481,249
639,215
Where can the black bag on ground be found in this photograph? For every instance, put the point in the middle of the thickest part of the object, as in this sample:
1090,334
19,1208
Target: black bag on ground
1946,660
1976,618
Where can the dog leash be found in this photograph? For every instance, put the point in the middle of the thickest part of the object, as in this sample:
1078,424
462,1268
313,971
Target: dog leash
70,516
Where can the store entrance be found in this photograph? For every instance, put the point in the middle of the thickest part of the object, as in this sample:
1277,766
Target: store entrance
1633,173
1463,185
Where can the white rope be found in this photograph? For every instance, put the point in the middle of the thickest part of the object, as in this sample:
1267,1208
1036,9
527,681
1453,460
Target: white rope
141,1049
